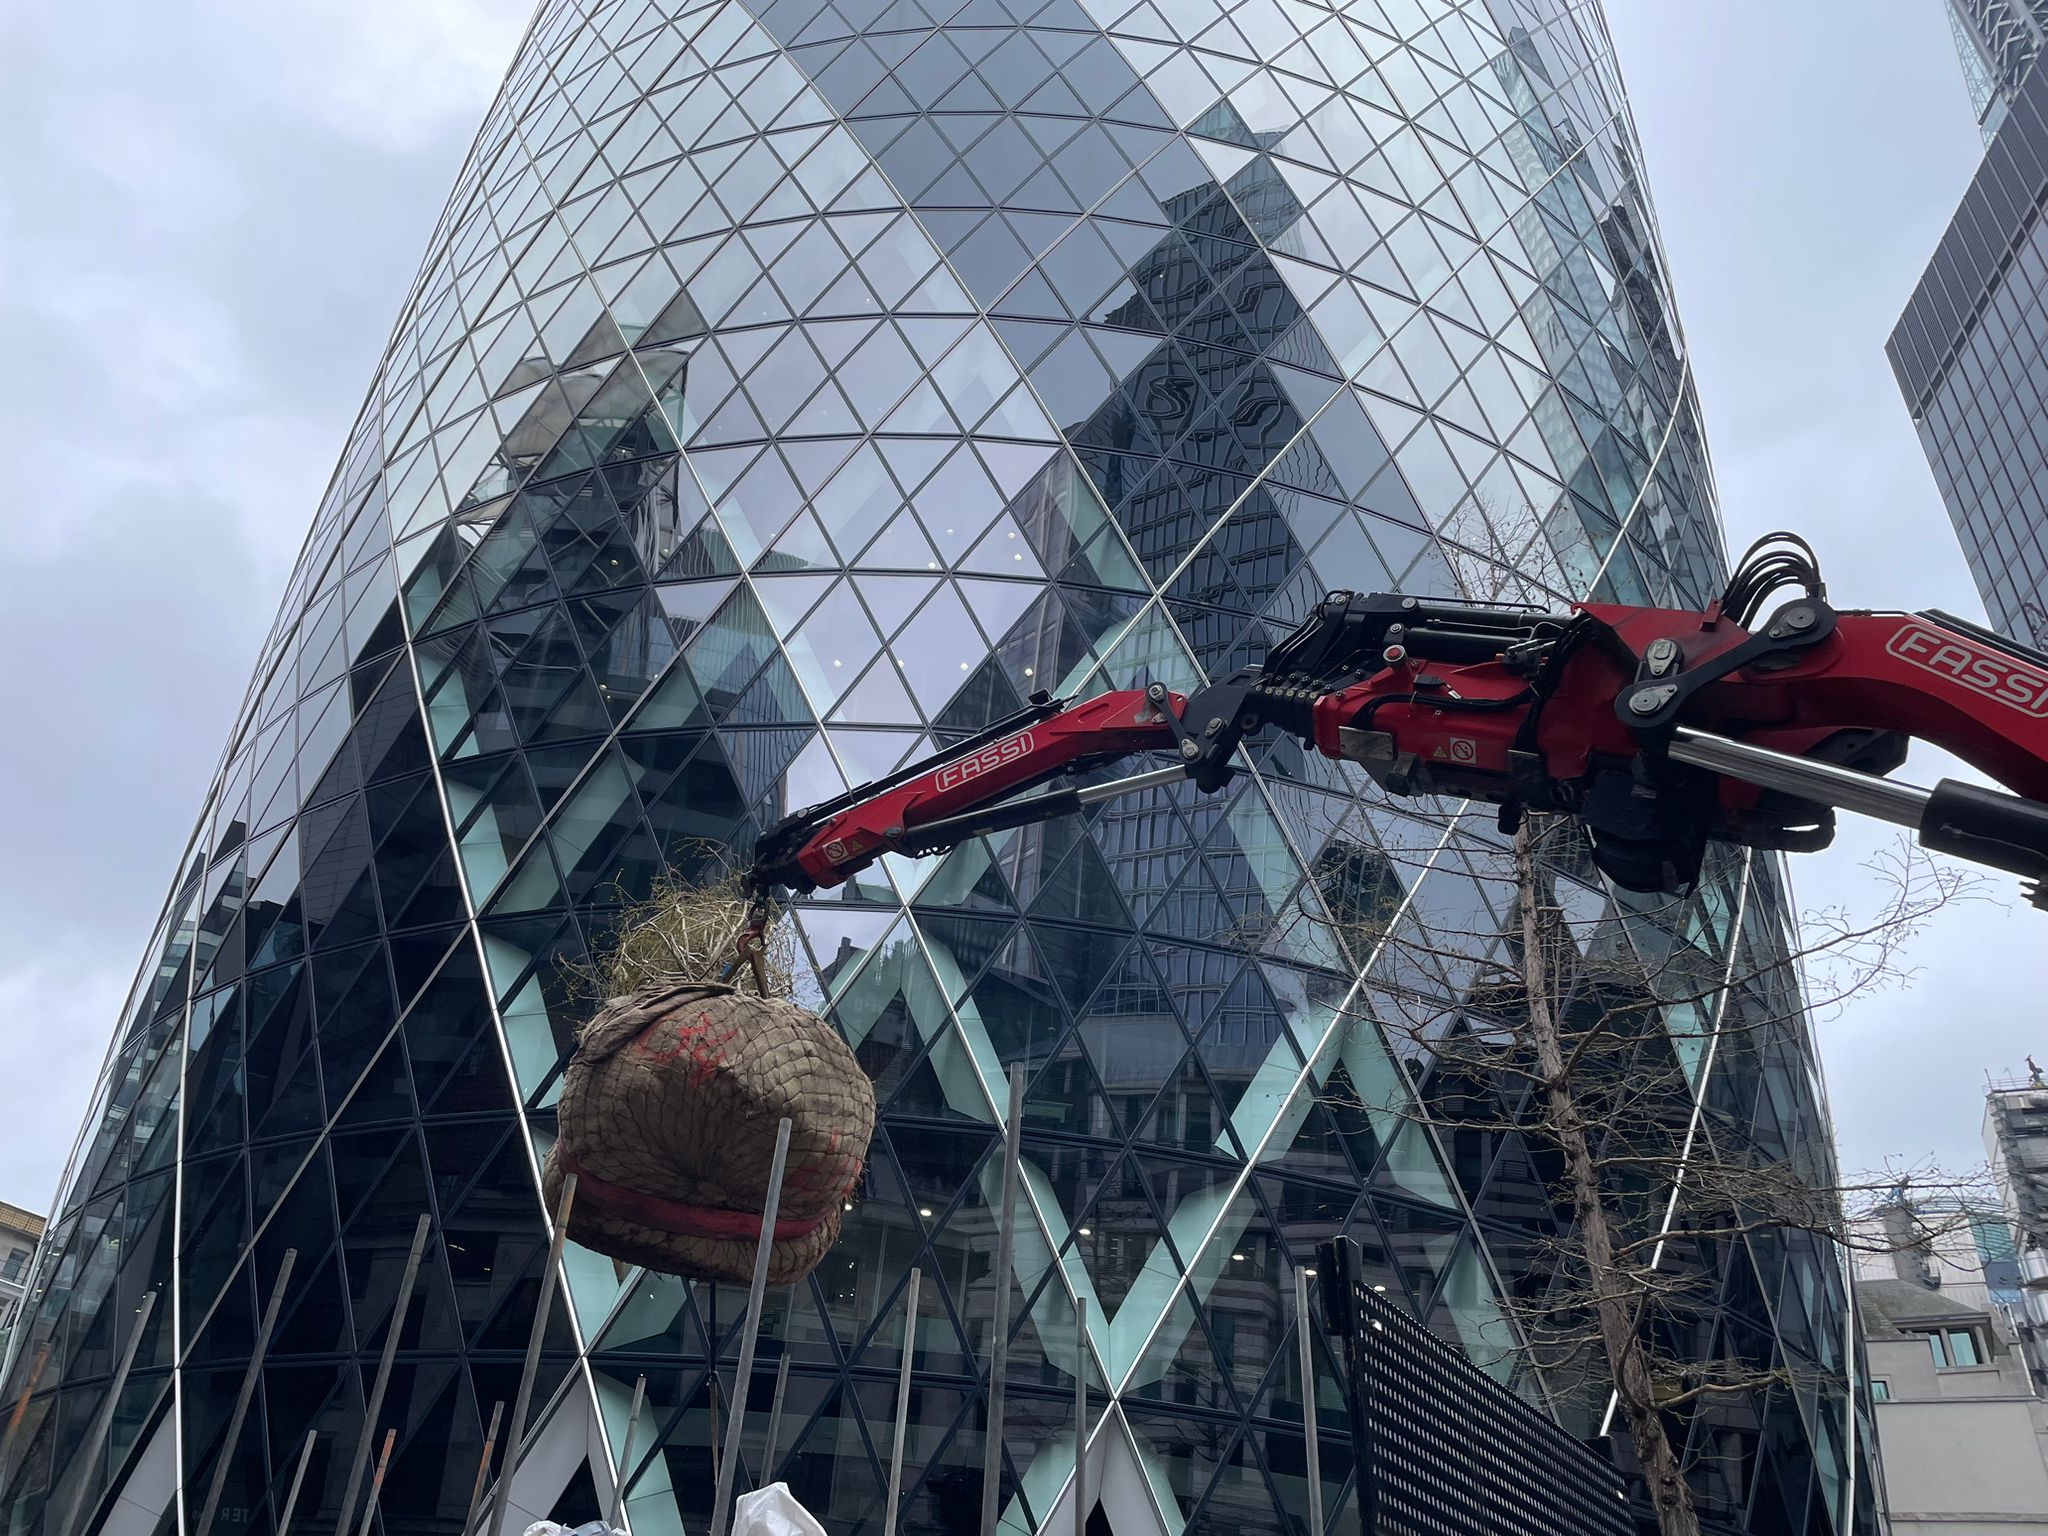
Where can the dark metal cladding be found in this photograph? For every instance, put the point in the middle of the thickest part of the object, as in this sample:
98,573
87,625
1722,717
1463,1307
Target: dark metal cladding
1447,1450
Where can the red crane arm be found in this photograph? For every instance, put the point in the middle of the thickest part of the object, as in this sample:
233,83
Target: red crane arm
1660,729
829,844
1926,676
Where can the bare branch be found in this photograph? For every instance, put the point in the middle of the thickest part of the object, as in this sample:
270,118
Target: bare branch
1527,1000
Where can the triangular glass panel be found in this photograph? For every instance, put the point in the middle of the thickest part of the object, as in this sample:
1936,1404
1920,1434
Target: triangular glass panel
801,547
878,698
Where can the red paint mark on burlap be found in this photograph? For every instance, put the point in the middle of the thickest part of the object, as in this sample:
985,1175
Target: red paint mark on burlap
698,1042
830,1174
675,1217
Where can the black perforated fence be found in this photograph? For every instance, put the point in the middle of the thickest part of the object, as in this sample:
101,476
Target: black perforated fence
1447,1451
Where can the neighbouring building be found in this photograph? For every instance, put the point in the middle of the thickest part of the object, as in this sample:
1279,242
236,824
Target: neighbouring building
1971,350
1961,1248
787,388
2016,1142
20,1231
1996,43
1964,1438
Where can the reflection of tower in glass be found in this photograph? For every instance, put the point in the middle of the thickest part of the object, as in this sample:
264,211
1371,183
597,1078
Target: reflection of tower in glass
788,391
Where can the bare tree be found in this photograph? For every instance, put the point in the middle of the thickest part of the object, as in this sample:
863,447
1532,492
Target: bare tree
1541,1005
1536,1004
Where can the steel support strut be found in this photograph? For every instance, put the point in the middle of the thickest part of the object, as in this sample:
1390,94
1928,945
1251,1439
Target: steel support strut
1986,826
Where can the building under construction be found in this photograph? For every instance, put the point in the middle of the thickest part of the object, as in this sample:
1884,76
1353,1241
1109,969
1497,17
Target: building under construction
2016,1141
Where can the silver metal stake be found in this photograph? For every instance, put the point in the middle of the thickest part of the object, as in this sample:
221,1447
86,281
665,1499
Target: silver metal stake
291,1499
1080,1416
483,1466
999,1353
376,1408
775,1412
626,1456
21,1407
515,1432
1308,1403
728,1466
377,1482
87,1459
902,1404
227,1450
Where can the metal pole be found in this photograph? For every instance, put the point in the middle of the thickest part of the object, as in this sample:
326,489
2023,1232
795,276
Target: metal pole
291,1500
515,1432
999,1353
626,1456
377,1482
715,1439
1903,805
21,1406
376,1408
483,1467
1080,1416
227,1450
88,1455
1308,1403
902,1404
1093,794
775,1413
728,1466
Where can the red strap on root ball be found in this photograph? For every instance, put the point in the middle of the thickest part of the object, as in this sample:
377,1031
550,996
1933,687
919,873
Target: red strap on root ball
673,1216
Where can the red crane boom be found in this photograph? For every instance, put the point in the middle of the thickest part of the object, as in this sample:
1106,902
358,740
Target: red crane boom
1660,729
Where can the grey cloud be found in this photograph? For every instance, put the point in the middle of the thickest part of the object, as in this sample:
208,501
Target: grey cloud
211,215
1804,160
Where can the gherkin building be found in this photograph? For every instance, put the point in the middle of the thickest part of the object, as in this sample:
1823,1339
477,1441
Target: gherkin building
792,387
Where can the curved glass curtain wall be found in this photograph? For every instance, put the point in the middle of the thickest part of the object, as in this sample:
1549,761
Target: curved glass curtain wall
790,388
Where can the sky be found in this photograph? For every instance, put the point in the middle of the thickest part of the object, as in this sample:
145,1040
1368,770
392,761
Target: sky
210,216
1804,160
212,213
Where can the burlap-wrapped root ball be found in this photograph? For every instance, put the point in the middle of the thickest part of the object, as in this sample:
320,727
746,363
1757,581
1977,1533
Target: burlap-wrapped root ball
668,1116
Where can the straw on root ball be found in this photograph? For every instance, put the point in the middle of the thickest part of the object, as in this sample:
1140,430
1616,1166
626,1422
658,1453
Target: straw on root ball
688,931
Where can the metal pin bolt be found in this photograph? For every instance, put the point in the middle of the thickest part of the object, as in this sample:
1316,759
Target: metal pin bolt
1660,656
1191,749
1647,701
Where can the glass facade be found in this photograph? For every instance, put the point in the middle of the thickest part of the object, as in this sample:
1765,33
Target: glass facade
1971,357
789,388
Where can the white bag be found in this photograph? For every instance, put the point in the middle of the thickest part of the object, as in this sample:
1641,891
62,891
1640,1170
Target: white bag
773,1511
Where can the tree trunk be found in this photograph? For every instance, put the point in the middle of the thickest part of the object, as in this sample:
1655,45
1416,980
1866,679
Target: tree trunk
1613,1304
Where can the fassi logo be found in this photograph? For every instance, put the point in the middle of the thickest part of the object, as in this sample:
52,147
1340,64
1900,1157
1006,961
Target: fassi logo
1007,750
1992,673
